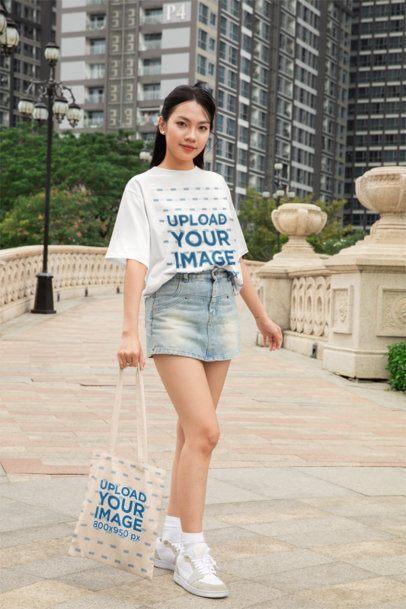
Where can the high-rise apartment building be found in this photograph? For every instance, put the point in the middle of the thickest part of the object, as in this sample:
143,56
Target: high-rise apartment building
309,54
279,72
290,77
35,21
377,104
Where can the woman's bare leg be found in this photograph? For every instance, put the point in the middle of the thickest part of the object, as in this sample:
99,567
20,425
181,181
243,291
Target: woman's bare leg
216,373
173,509
194,388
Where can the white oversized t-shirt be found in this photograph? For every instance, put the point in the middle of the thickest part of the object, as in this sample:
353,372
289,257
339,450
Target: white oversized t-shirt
175,220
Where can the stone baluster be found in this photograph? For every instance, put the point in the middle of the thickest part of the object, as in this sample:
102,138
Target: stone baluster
297,221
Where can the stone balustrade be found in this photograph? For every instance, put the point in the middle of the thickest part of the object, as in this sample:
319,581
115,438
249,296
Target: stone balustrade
344,309
77,271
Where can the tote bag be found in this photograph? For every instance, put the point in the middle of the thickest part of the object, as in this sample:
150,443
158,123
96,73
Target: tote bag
119,520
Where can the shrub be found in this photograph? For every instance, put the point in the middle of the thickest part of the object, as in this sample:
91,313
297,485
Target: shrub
397,366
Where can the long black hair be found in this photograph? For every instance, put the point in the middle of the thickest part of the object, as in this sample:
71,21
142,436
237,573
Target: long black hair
183,93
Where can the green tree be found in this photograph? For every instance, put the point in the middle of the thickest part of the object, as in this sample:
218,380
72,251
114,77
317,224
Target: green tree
260,234
72,221
99,163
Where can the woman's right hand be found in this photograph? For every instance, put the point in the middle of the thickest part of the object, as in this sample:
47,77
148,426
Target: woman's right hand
130,352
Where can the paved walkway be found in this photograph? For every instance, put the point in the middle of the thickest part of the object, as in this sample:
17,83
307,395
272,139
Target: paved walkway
305,505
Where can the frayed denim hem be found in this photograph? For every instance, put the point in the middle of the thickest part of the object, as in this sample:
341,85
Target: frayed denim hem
174,351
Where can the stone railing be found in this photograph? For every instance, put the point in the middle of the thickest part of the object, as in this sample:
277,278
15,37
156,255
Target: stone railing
77,271
344,309
310,305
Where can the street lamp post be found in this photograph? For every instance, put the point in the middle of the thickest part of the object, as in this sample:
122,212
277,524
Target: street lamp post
278,194
57,106
9,36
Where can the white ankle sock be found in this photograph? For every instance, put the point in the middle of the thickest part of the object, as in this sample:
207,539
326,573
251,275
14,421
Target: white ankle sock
172,529
190,538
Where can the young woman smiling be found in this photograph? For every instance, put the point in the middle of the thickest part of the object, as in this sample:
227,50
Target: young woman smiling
192,324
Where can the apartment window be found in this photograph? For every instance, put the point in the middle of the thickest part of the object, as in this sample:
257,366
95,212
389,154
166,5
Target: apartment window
241,179
151,91
223,26
97,46
247,19
242,156
245,88
94,118
153,15
244,112
97,70
286,65
286,44
284,107
245,66
96,95
203,13
151,66
201,64
230,148
246,43
149,117
96,22
233,56
202,39
231,103
231,126
232,79
244,134
152,41
220,122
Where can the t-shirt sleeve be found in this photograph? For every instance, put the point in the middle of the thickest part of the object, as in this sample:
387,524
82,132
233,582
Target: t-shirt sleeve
240,244
130,238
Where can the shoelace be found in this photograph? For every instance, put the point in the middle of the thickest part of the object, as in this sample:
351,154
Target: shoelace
175,546
204,565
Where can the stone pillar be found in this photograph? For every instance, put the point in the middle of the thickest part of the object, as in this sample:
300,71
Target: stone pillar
368,282
297,221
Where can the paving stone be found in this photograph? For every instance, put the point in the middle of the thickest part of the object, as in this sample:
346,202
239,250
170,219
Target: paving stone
43,594
306,492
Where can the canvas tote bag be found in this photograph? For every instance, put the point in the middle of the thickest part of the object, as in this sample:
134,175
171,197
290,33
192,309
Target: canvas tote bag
119,520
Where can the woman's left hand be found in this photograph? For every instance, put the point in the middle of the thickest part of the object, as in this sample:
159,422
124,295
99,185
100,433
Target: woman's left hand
270,331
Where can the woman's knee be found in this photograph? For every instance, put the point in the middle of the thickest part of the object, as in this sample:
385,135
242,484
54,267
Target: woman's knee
180,433
204,439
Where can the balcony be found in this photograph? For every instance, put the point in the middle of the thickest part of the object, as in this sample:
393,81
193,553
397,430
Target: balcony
95,24
94,99
148,19
151,95
93,120
150,70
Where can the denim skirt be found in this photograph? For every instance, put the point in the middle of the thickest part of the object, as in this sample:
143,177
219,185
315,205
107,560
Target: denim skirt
194,314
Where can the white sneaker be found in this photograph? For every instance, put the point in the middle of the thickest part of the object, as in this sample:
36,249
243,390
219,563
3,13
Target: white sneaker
166,552
195,572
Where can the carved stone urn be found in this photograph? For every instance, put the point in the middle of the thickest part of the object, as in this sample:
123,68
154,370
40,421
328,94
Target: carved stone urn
383,190
298,221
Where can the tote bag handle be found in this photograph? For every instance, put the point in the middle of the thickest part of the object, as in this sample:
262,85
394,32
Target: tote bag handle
141,418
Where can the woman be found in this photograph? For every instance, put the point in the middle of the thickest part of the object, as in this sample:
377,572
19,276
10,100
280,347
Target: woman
178,230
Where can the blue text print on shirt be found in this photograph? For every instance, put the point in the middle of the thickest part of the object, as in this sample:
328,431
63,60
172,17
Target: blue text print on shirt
194,236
